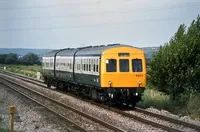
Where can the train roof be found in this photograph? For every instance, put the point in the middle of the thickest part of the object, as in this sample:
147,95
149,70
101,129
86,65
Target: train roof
83,51
96,50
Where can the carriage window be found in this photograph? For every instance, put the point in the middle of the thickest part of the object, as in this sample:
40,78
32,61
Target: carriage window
137,65
124,65
97,68
51,64
70,67
94,68
47,64
79,68
84,67
89,67
111,65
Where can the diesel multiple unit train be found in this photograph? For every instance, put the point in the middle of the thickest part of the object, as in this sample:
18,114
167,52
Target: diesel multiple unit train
112,74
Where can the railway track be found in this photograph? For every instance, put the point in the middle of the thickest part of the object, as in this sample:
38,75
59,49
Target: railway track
48,102
129,115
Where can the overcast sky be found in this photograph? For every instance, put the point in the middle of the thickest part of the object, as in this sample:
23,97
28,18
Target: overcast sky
55,24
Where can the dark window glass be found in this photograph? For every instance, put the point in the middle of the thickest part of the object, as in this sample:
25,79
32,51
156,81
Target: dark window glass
124,65
137,65
97,68
123,54
111,65
84,67
93,68
89,67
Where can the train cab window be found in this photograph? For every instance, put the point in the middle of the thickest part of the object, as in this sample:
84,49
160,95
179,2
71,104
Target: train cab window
136,65
111,65
124,65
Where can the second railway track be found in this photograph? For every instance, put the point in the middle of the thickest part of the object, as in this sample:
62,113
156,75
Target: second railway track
179,125
81,119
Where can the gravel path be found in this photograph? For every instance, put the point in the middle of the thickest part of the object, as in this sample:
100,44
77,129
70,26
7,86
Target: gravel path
168,114
30,117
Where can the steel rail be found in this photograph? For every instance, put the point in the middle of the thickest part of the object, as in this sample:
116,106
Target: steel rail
103,123
56,113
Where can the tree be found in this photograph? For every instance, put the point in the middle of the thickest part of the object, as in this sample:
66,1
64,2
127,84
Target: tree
2,58
175,68
11,59
30,59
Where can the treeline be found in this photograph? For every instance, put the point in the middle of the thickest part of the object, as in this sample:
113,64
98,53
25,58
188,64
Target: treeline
28,59
175,68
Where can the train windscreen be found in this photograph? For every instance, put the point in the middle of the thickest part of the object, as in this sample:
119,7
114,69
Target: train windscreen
111,65
124,65
136,65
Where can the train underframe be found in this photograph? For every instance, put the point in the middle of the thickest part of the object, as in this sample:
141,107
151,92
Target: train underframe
110,96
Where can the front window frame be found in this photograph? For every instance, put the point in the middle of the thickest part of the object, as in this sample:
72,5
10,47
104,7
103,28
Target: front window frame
139,68
111,65
123,65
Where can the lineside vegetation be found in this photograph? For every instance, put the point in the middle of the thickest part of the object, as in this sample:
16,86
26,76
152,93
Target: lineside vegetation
175,70
30,71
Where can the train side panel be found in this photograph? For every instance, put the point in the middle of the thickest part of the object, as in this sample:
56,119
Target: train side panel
86,70
48,67
64,68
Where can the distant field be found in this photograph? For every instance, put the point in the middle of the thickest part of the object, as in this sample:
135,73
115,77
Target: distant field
30,71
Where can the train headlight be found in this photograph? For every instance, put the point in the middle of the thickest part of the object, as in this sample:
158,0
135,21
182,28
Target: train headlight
139,82
109,82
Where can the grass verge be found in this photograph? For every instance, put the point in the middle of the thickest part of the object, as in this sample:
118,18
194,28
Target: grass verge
159,100
30,71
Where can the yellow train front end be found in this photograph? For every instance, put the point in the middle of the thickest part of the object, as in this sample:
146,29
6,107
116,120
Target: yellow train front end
123,74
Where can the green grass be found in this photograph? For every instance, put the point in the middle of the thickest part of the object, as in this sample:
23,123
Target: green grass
193,107
155,99
24,70
158,100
